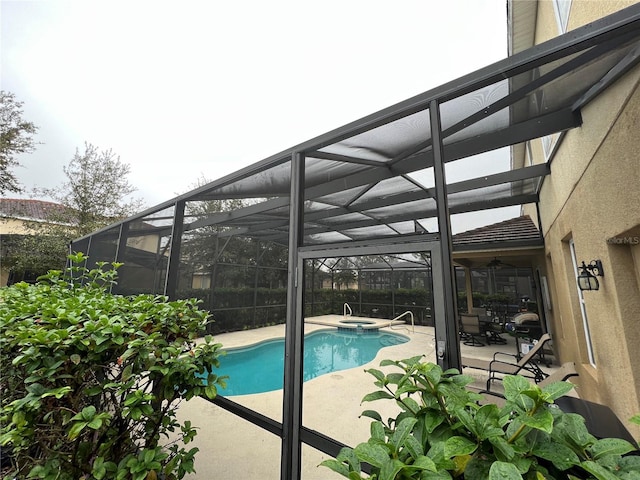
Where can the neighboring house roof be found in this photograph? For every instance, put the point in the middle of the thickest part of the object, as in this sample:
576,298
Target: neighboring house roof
29,209
512,231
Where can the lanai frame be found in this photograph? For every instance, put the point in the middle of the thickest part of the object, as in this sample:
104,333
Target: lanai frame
611,44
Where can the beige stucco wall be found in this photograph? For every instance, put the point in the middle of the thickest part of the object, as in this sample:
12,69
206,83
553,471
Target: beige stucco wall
585,11
148,243
11,226
601,202
591,196
581,13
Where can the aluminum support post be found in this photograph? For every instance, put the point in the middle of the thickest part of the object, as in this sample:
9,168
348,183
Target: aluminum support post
171,282
291,467
447,335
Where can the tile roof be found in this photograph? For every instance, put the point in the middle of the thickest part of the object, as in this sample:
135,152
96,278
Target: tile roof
519,229
28,209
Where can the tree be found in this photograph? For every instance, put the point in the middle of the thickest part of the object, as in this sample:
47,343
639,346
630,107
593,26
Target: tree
16,137
202,248
29,256
229,257
94,196
95,193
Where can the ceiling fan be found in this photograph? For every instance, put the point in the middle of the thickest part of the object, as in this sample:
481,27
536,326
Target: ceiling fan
497,263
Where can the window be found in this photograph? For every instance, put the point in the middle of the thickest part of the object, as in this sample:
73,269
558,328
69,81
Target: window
583,309
548,145
201,281
562,8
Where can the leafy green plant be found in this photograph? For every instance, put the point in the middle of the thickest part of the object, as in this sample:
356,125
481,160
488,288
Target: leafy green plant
442,432
91,381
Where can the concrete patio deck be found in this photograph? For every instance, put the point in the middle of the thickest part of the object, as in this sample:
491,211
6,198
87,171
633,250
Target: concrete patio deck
232,448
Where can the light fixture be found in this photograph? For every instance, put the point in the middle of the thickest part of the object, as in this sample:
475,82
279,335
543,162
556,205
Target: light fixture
587,279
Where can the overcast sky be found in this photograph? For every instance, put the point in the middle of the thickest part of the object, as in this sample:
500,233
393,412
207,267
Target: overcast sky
185,89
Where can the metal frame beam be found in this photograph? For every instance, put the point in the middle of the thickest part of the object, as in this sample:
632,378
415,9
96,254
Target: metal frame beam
630,61
379,246
314,216
262,421
345,159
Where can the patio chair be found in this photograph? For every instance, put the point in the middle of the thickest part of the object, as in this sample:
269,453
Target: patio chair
471,330
526,366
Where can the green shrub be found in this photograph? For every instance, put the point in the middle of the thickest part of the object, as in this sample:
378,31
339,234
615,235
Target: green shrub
91,381
442,433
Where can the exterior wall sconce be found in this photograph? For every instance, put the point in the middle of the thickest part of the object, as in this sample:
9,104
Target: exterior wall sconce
587,279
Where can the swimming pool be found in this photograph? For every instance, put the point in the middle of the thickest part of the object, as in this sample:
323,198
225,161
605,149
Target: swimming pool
259,368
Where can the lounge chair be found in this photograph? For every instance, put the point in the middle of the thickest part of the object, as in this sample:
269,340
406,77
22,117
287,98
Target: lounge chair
526,366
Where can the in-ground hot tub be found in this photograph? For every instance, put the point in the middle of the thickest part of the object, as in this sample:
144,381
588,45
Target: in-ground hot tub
352,323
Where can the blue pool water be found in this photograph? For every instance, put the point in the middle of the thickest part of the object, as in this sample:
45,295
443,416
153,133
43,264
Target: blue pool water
259,368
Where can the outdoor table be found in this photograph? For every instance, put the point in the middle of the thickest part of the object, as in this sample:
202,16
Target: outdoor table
493,329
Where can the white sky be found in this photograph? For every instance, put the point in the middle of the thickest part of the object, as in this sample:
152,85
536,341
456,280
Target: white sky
189,88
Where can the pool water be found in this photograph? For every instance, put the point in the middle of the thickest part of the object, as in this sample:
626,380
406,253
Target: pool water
259,368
